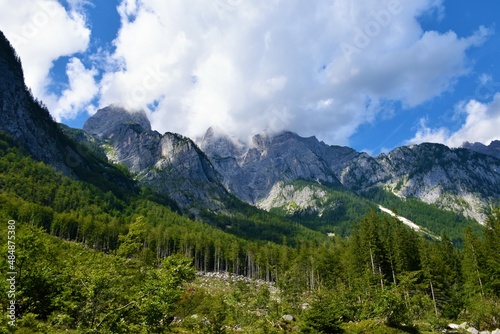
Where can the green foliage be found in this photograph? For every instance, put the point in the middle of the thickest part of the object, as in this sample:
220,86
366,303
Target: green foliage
133,242
162,291
392,308
251,223
89,260
492,248
484,313
73,288
375,326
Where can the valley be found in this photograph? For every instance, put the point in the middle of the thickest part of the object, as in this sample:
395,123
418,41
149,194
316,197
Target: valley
122,229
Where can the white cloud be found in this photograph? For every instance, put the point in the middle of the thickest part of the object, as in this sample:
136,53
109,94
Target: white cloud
78,96
246,66
481,124
41,31
426,134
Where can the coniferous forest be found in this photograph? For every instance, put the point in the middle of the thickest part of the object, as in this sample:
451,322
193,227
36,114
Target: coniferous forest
91,259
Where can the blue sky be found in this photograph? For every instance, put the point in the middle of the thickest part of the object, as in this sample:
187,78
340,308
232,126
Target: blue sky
369,74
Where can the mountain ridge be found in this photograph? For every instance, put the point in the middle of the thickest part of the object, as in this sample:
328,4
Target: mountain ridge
459,179
492,149
217,166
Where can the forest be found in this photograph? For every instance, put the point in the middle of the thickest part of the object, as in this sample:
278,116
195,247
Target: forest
93,260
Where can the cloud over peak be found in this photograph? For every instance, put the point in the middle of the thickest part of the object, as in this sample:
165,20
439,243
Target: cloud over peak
319,68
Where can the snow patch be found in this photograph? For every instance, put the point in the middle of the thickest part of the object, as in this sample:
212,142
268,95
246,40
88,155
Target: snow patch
404,220
410,224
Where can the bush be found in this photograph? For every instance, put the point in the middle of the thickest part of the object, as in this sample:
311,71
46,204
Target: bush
324,316
484,313
392,308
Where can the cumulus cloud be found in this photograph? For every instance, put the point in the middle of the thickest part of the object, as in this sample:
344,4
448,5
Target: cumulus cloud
481,124
321,67
82,88
318,68
41,31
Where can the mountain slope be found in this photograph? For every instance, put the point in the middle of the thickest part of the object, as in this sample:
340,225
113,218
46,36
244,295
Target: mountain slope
29,123
25,119
317,206
455,179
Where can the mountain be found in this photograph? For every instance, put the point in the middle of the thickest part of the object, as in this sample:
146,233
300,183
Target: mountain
251,170
78,220
30,124
170,163
492,149
453,179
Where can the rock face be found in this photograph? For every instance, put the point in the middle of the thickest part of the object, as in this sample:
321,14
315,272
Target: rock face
170,163
251,171
103,122
295,199
455,179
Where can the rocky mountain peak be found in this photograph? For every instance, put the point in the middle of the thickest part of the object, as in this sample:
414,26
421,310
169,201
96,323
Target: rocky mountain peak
225,145
492,149
104,122
433,173
250,171
170,163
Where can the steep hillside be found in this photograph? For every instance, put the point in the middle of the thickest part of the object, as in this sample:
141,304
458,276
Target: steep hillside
454,179
29,122
317,206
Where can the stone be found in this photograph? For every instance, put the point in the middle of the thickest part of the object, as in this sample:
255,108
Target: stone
472,330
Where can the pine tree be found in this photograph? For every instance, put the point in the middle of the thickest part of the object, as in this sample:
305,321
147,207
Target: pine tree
492,247
473,256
